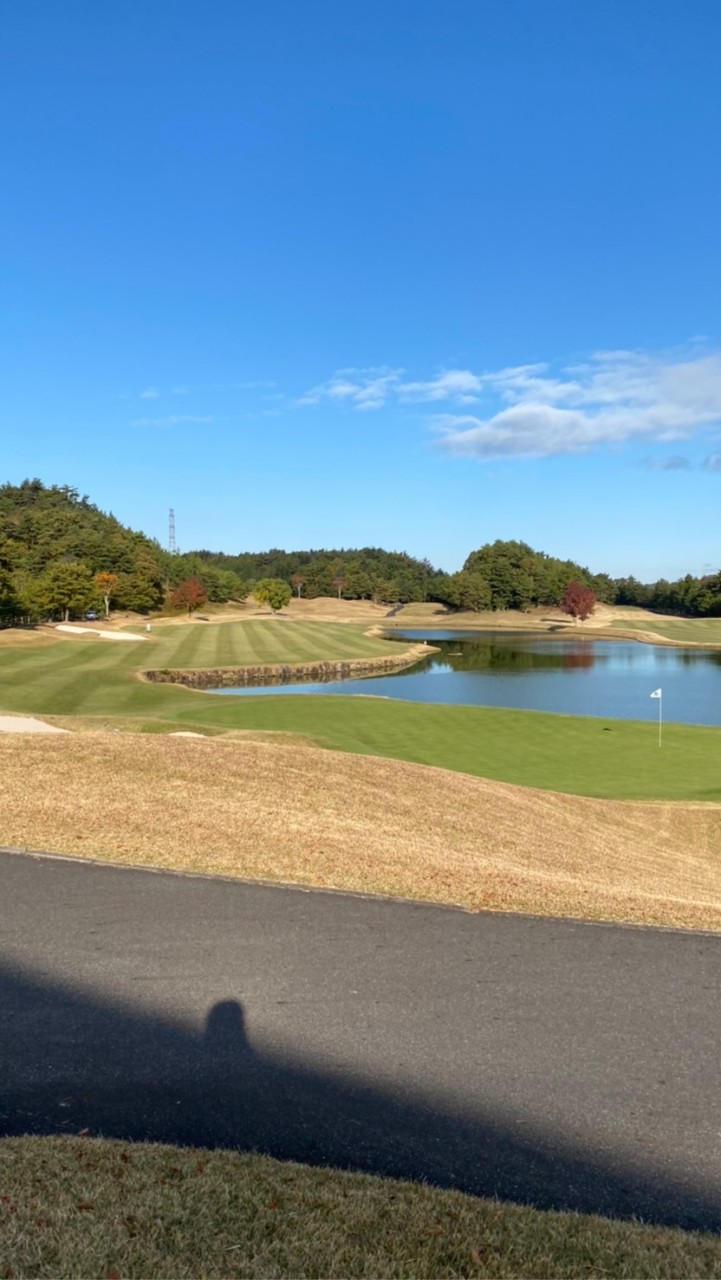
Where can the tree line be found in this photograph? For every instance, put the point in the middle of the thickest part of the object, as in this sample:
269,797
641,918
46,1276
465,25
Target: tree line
60,556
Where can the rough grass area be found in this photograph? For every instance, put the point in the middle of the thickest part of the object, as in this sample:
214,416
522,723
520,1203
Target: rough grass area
92,1208
297,814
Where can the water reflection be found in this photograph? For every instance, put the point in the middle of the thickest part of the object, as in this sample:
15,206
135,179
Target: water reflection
470,652
564,674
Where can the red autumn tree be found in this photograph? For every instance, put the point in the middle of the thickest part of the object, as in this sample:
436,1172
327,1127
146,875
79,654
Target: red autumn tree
578,601
189,595
298,582
340,582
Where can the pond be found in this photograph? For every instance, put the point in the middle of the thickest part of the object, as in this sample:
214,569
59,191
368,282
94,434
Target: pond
610,678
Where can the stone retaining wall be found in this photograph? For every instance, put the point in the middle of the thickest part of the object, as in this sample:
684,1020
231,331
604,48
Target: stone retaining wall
288,673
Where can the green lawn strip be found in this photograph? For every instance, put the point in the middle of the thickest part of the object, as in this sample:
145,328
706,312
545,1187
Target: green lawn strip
74,1207
256,642
187,643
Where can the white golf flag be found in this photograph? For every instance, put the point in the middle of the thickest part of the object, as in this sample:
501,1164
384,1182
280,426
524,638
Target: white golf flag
656,693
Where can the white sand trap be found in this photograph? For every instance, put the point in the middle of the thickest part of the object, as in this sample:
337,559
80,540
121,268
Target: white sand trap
93,631
26,724
185,733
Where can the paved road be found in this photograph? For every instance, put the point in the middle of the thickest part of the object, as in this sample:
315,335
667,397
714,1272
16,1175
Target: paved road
551,1062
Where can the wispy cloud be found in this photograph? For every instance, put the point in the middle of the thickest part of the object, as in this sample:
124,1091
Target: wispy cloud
713,462
362,388
150,393
170,420
452,384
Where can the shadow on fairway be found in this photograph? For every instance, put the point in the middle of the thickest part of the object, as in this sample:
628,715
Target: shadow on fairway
69,1063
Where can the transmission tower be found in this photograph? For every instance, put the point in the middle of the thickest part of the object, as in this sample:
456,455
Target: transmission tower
172,548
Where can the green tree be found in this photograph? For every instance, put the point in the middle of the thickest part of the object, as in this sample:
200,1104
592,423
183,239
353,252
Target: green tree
274,592
228,586
137,593
9,602
68,588
468,591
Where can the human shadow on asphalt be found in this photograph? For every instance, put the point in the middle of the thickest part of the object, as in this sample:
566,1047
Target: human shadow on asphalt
69,1063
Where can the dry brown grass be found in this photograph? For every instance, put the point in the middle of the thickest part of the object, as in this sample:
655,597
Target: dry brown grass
542,618
294,813
13,637
323,609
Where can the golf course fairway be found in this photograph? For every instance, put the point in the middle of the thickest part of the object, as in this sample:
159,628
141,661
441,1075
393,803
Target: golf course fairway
90,683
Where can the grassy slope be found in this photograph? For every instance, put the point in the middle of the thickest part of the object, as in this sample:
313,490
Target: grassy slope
359,823
695,630
83,1207
573,754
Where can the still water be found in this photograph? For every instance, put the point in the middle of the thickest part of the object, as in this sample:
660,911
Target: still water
611,678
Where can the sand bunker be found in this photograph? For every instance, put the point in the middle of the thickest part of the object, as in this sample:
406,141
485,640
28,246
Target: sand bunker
95,631
26,724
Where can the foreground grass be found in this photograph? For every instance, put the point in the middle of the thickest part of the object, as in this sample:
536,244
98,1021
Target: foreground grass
96,682
92,1208
292,813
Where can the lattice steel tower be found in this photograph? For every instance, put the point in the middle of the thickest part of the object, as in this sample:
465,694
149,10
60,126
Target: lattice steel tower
172,548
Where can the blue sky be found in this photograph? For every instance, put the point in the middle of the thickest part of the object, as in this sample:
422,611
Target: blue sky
407,273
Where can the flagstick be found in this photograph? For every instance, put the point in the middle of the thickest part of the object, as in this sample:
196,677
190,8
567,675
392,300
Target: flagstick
660,717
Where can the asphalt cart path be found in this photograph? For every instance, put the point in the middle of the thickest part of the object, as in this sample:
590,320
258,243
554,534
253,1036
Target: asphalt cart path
551,1062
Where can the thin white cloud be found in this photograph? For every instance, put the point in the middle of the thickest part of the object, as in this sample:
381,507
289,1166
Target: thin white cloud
181,390
452,384
364,389
169,420
150,393
713,462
